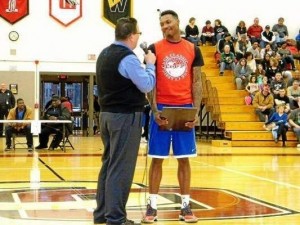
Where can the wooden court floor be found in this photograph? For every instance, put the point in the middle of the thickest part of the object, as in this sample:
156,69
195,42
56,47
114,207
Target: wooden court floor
230,186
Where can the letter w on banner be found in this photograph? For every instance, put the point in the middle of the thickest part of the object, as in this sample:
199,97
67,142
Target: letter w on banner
14,10
116,9
65,11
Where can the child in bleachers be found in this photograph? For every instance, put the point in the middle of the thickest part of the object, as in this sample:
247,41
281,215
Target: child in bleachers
279,125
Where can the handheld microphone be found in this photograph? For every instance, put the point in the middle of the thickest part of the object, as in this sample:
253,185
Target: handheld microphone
144,46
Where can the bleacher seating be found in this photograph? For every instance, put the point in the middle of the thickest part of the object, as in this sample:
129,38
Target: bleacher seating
239,123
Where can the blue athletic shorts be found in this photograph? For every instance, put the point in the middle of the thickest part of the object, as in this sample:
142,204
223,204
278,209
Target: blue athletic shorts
183,142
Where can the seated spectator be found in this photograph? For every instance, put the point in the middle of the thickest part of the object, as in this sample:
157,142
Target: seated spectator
294,121
297,38
279,118
286,56
282,67
250,61
227,40
227,60
20,112
281,32
65,101
272,69
254,49
242,73
55,112
293,92
240,29
254,31
291,45
259,73
266,61
263,104
268,37
264,83
296,76
208,34
192,31
241,46
219,30
252,87
277,84
282,99
266,50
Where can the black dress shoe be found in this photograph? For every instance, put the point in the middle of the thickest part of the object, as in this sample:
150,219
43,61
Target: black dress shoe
40,147
101,221
130,222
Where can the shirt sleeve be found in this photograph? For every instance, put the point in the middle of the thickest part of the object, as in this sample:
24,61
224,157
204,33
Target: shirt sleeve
144,78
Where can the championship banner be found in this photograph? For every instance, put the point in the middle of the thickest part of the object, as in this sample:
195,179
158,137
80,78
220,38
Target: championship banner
116,9
14,10
65,11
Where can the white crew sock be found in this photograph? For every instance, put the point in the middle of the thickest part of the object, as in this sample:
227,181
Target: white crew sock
153,200
185,201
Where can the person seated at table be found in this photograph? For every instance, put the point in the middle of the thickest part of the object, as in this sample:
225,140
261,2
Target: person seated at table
20,112
55,112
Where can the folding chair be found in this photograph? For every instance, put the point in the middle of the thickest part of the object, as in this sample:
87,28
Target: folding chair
65,142
15,142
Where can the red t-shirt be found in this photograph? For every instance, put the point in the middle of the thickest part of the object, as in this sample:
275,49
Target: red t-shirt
174,72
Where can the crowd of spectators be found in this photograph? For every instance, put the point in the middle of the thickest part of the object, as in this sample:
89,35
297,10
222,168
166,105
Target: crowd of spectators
262,61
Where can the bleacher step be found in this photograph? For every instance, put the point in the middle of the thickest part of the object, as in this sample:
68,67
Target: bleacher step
245,117
262,143
236,109
255,135
238,101
243,126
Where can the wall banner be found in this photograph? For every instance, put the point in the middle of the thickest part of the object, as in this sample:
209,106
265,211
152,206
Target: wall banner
65,11
14,10
116,9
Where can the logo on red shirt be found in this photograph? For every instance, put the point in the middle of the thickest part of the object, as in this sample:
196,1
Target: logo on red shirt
175,66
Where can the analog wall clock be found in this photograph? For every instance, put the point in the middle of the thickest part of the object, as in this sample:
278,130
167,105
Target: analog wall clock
13,35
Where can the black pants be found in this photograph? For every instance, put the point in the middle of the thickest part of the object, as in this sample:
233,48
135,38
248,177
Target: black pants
147,110
3,113
45,133
9,130
282,129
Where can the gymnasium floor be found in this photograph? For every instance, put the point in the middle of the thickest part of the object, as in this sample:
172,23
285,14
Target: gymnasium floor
230,186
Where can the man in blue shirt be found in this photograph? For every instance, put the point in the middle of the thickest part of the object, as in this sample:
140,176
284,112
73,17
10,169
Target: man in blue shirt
122,86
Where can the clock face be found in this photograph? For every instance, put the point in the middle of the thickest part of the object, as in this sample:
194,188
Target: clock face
13,35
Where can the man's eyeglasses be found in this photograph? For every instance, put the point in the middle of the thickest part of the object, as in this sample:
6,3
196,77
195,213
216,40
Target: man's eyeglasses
140,33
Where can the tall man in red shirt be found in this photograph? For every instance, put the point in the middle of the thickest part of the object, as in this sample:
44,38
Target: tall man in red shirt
178,72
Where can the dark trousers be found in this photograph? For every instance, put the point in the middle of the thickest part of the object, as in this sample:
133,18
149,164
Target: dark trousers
262,114
147,110
204,39
9,130
282,129
121,136
45,133
3,113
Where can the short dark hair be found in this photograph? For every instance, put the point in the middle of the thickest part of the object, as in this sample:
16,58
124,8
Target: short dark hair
20,99
192,19
124,27
169,12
